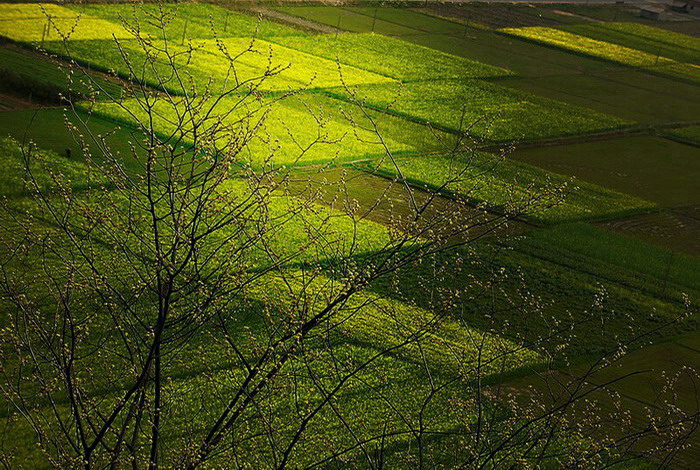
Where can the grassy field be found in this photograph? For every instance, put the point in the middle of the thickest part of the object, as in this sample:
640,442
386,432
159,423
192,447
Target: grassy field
496,112
482,45
342,132
45,21
447,345
348,20
412,19
628,94
191,20
558,273
676,229
47,128
35,68
259,65
645,167
424,78
509,185
607,51
391,57
655,41
690,134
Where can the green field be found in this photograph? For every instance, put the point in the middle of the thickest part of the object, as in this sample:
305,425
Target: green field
391,57
586,130
33,67
656,163
607,51
348,20
47,128
495,112
40,22
258,65
508,185
191,20
629,94
333,130
655,41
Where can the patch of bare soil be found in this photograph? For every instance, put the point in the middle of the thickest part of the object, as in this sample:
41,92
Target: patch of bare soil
292,20
574,15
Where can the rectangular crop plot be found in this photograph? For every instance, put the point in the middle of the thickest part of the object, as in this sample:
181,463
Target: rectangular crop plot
16,64
391,57
347,20
655,41
189,20
219,65
607,51
46,22
298,68
411,19
507,184
298,130
485,109
644,166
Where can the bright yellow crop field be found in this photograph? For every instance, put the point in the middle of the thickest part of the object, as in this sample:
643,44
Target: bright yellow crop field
47,22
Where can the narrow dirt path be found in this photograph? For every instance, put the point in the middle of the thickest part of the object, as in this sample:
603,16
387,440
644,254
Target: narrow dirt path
295,20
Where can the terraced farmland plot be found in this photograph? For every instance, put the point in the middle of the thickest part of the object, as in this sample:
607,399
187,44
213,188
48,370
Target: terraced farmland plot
188,20
567,278
308,71
262,65
19,64
629,94
47,128
391,57
296,122
655,41
39,22
347,20
105,56
510,185
607,51
499,113
652,168
613,251
412,19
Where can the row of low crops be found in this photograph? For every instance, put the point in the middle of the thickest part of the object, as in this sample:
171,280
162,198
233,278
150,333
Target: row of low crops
219,65
621,54
485,109
516,187
655,41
